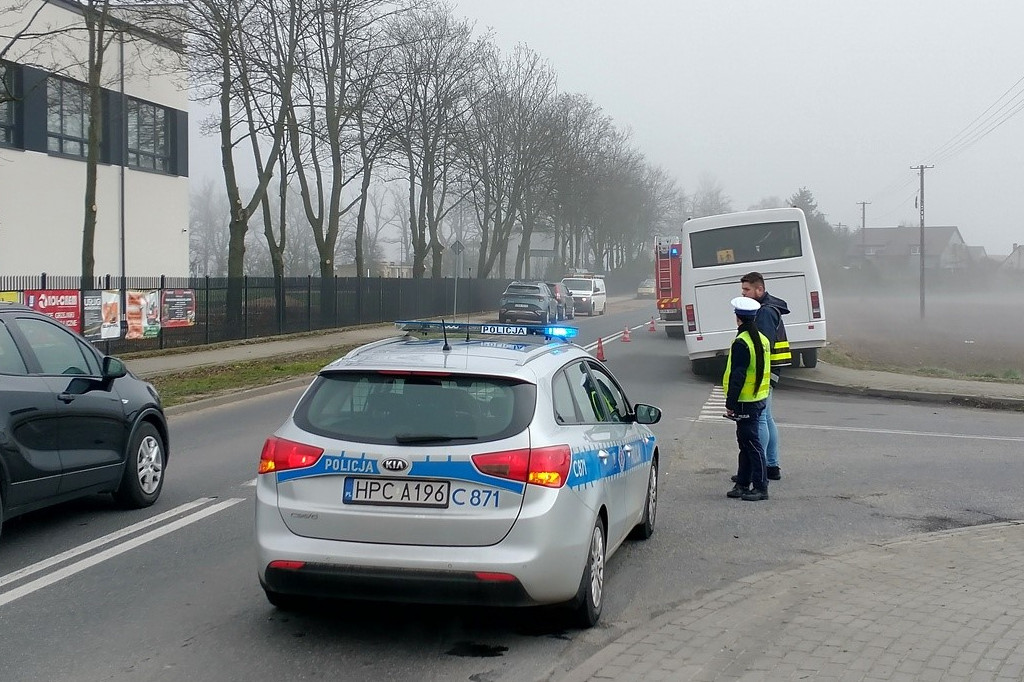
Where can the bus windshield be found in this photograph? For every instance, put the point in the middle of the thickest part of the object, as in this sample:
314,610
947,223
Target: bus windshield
745,244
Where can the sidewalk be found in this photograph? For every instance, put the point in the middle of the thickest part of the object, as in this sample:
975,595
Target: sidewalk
939,606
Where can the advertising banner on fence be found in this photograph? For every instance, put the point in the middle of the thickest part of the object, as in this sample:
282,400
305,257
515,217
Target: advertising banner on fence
10,296
101,315
60,304
177,307
142,311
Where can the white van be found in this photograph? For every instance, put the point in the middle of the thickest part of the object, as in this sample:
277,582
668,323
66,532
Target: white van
588,293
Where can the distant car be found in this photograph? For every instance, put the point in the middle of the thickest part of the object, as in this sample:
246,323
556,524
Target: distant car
646,289
473,468
566,306
588,293
527,301
72,421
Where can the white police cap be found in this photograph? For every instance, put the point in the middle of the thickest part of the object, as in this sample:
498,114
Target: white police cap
745,307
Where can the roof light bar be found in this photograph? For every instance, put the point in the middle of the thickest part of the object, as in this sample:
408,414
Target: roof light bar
489,329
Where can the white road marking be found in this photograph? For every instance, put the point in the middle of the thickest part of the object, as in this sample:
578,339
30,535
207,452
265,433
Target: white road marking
99,542
88,562
714,407
898,432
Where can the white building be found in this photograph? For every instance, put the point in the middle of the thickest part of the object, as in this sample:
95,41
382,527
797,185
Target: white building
142,200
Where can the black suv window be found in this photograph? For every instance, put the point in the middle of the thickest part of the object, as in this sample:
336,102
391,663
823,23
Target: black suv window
11,361
56,349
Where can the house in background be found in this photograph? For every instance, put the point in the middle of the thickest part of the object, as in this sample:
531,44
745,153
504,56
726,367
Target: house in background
1014,263
142,200
896,251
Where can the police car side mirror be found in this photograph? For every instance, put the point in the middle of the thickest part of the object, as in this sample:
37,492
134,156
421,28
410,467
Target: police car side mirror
646,414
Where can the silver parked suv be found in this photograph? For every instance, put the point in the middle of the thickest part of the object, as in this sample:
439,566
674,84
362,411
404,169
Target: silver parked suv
461,463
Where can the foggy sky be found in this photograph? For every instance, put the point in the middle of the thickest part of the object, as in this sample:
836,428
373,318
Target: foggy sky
768,97
771,96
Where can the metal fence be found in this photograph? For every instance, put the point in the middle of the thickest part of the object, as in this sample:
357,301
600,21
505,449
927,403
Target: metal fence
356,300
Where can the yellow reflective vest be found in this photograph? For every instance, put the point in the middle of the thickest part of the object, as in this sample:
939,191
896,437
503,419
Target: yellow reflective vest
748,393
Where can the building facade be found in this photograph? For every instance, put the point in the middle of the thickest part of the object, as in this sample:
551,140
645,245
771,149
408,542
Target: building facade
142,204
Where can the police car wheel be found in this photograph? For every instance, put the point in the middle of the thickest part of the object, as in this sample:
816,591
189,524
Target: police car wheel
645,528
590,596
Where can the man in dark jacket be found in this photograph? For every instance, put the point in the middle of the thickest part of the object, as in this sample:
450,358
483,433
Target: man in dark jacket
769,322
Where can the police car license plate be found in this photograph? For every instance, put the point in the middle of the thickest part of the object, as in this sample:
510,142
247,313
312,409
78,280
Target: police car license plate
397,492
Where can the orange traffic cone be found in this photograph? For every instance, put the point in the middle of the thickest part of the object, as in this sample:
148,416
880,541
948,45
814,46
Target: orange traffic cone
651,327
600,349
625,335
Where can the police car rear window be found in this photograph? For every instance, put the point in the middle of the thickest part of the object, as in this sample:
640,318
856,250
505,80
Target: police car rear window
415,408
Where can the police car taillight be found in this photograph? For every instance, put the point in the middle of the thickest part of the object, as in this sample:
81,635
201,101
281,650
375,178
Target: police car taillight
280,455
815,305
548,466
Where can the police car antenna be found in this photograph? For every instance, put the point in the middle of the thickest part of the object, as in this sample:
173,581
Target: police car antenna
444,331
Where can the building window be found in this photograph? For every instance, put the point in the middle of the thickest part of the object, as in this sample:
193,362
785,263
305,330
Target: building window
6,104
67,104
148,138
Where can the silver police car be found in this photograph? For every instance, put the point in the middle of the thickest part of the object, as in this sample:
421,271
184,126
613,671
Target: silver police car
460,463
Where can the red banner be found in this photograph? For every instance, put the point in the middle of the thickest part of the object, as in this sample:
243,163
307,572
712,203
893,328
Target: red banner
62,305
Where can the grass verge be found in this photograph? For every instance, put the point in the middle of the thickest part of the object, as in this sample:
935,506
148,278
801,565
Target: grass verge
212,381
836,354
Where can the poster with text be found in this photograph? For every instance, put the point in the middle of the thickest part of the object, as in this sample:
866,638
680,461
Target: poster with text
177,307
142,312
111,327
101,315
60,304
10,296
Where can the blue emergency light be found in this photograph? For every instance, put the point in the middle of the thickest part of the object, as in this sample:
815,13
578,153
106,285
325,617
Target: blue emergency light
489,328
674,251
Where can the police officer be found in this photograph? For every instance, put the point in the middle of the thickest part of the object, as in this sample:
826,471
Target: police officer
769,322
746,384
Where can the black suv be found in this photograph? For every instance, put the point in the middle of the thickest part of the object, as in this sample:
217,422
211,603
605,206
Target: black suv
528,300
72,421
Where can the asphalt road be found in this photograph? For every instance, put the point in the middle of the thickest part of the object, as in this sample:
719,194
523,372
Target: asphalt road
178,599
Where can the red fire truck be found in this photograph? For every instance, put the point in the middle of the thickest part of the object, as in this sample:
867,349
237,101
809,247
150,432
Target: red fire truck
668,286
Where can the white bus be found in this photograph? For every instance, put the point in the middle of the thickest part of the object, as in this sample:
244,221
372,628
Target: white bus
720,249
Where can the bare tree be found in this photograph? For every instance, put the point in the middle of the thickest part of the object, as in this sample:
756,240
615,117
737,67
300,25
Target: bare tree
710,198
208,231
225,66
435,61
510,146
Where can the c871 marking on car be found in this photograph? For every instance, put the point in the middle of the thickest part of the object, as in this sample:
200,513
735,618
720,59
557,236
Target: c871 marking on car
477,497
398,492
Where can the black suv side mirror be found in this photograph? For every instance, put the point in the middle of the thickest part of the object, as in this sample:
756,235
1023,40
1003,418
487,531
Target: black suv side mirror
113,368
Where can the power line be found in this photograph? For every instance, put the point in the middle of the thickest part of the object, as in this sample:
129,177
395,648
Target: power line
971,129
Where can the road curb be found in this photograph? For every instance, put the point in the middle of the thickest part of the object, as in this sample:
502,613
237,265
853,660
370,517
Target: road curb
960,400
236,396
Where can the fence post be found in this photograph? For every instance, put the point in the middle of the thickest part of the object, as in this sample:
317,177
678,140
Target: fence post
337,298
309,303
42,281
245,306
380,298
207,278
163,282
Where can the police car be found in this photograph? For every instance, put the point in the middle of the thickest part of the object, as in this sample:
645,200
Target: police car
461,463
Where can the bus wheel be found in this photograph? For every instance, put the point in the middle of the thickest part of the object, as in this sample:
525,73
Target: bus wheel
700,367
809,357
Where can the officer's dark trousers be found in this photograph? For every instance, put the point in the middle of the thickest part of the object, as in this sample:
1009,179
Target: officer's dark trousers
752,466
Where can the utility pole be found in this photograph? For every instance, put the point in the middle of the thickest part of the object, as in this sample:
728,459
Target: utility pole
920,169
863,234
